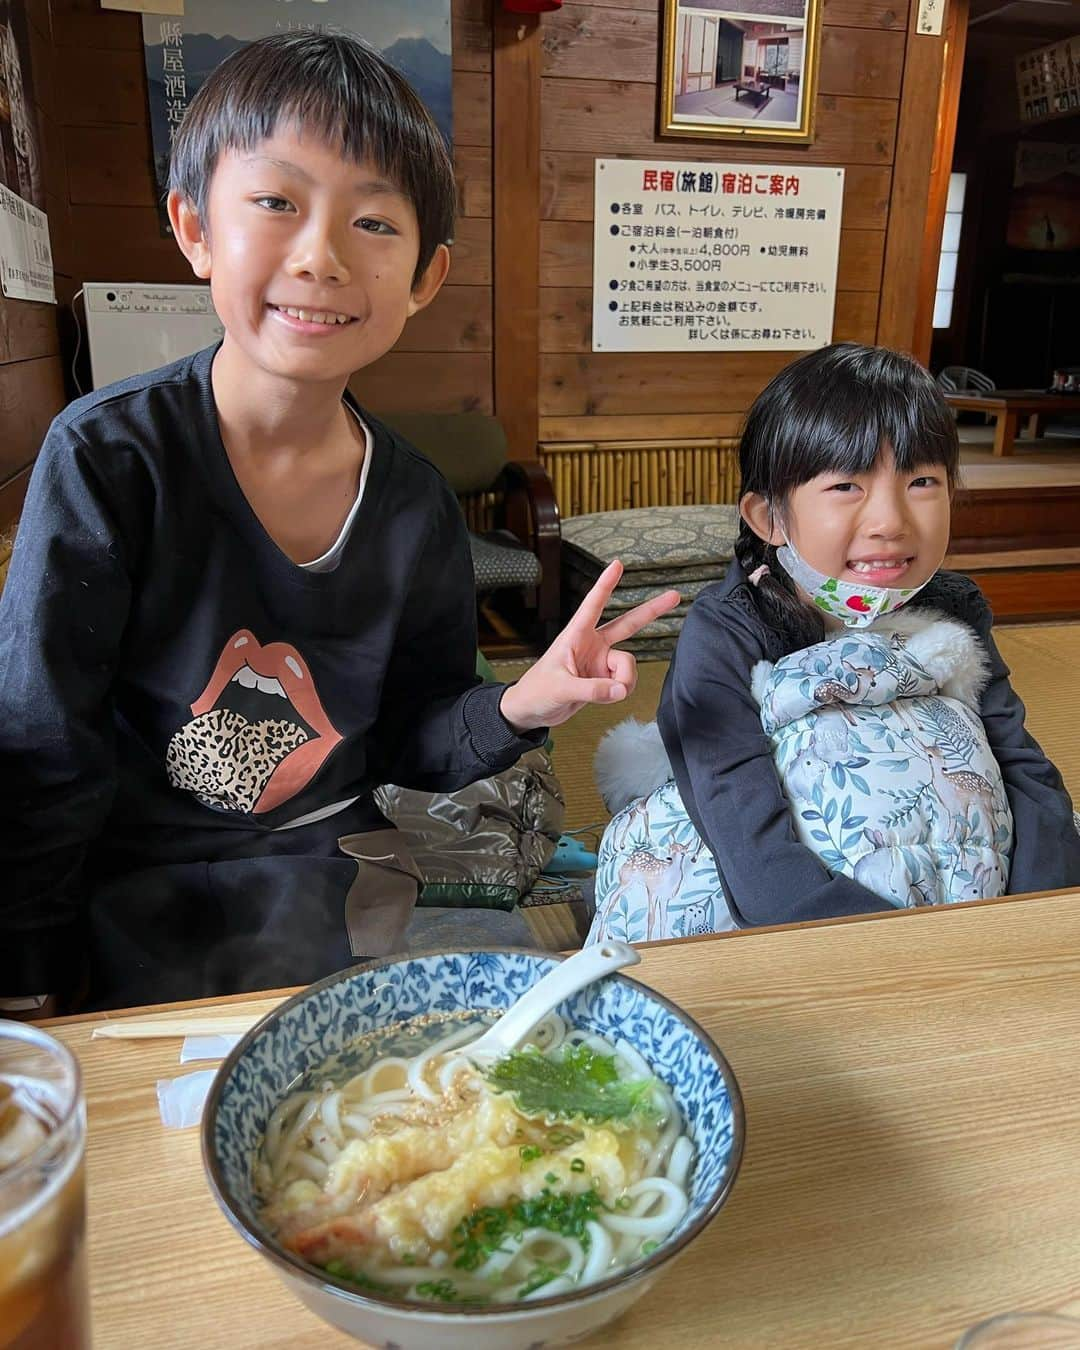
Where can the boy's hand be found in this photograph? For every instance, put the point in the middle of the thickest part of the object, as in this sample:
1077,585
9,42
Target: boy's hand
581,665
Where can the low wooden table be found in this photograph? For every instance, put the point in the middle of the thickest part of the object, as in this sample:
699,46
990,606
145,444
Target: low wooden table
1007,406
760,91
912,1160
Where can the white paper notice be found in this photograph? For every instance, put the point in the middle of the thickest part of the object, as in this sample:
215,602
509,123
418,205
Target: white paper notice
692,256
26,270
931,17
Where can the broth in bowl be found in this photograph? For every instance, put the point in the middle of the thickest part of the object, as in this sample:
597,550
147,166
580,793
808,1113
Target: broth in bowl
429,1177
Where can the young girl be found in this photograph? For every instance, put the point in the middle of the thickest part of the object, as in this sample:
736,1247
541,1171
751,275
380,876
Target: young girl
848,460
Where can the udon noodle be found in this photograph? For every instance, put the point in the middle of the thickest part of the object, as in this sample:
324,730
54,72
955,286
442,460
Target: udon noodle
429,1177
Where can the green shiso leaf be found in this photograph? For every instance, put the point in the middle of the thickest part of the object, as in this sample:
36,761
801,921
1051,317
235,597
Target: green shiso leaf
580,1084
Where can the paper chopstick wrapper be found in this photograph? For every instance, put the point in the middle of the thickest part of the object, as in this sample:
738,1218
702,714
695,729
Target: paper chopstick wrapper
177,1026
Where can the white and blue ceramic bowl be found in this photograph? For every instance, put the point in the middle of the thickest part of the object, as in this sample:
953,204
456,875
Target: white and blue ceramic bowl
326,1018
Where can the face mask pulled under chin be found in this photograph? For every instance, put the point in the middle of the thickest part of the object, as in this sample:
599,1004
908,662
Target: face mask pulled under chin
854,606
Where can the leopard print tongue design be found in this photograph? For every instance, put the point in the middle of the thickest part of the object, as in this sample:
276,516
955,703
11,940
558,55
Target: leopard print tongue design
226,760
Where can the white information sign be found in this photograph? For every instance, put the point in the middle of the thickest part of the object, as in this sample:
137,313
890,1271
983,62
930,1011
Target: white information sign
692,256
26,270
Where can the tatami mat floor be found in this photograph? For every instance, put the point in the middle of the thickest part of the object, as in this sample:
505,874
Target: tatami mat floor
1044,660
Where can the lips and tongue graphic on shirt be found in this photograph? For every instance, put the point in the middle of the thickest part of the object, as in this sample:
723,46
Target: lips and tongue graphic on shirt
259,733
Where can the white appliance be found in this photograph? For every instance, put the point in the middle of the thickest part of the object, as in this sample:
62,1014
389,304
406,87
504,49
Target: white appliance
132,326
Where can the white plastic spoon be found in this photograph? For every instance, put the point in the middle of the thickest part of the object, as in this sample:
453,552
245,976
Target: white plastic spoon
585,966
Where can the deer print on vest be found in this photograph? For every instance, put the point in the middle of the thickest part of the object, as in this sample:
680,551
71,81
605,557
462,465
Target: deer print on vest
840,693
958,789
661,879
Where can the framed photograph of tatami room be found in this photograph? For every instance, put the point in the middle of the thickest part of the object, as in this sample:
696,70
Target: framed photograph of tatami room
740,69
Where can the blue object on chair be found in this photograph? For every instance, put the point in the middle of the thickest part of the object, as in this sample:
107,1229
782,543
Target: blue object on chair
571,856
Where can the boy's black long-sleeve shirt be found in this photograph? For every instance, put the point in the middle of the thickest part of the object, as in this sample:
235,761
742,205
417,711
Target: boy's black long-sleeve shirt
174,689
725,771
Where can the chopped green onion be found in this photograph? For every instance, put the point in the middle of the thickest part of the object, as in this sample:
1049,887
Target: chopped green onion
578,1165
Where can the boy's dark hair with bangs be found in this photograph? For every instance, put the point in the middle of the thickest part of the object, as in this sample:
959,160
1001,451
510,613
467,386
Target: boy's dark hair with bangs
833,411
331,85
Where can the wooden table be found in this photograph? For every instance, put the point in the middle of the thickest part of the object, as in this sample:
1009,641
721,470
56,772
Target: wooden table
912,1089
1007,406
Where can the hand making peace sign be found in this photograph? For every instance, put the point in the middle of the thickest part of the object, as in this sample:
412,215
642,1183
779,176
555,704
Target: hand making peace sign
582,666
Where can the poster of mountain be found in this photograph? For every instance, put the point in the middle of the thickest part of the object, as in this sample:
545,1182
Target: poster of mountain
413,35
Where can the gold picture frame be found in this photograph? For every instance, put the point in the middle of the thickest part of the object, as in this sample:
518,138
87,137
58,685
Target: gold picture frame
737,70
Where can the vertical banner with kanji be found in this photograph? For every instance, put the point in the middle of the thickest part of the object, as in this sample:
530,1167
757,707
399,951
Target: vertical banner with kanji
413,35
714,257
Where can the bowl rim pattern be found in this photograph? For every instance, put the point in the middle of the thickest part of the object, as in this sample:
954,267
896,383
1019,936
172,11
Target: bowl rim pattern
295,1267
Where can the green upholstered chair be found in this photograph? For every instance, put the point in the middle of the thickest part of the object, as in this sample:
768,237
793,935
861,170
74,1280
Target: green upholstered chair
509,506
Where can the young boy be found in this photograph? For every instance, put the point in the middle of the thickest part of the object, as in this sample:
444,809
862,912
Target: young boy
237,602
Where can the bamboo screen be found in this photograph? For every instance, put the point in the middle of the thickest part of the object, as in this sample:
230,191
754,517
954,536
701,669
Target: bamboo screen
593,476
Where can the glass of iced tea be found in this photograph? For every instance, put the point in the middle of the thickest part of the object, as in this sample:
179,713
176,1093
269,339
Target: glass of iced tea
43,1292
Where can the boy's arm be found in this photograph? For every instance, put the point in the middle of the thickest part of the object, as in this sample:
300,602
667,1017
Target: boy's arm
726,775
1046,845
62,616
439,727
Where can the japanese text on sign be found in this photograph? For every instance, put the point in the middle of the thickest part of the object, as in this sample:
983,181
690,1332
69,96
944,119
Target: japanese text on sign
714,257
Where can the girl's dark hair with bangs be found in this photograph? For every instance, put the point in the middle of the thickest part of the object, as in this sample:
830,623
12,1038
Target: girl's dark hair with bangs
332,85
832,411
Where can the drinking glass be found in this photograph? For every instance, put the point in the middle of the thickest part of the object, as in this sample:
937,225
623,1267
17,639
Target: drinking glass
43,1289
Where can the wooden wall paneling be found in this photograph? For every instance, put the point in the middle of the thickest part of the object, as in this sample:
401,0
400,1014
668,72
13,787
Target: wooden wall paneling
100,87
858,267
472,253
472,108
916,130
27,330
516,187
654,382
856,316
866,13
124,243
31,394
457,320
37,11
566,186
110,166
470,34
472,170
866,62
581,39
58,210
54,168
426,382
603,117
83,24
639,426
566,256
